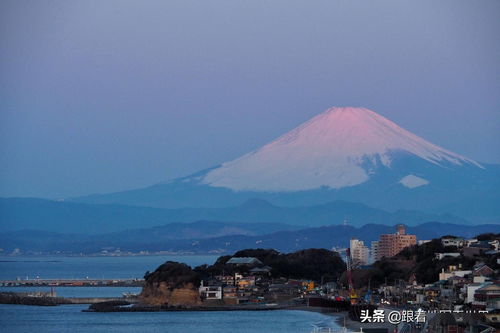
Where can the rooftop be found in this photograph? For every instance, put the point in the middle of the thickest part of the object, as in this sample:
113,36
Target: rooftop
491,287
243,261
264,269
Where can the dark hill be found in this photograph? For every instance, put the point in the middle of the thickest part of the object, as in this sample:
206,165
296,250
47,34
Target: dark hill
312,264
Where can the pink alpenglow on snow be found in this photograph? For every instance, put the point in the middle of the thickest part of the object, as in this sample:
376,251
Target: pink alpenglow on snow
329,150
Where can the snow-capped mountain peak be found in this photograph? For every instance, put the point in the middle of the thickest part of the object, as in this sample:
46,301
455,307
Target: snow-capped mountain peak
338,148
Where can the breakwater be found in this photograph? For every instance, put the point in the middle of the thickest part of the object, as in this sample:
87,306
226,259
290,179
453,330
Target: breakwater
73,283
126,306
43,300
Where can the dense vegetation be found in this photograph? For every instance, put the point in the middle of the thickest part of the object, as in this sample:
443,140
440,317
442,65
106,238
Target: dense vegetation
174,273
311,264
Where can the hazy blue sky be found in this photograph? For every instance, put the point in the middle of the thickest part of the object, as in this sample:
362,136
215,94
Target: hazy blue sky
101,96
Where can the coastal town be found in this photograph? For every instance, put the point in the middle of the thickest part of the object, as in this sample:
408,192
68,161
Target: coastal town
449,284
460,298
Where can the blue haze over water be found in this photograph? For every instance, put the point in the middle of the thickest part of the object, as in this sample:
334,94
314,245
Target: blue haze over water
70,318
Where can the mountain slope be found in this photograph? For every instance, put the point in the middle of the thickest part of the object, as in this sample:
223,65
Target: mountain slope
340,147
349,154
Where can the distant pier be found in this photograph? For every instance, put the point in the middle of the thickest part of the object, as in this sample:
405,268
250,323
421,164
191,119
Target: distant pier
73,283
46,300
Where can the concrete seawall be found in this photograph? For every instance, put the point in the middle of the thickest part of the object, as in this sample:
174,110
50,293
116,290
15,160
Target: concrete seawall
22,298
73,283
90,300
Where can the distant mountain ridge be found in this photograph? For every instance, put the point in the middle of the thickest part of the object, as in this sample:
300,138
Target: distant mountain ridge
71,217
334,236
168,238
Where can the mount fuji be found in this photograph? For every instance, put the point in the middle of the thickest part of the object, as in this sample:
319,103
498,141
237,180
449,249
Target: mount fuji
344,153
339,148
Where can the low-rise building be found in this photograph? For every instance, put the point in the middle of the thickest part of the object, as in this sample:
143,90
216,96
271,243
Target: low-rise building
471,290
457,280
306,285
431,293
440,256
468,242
480,279
476,249
226,279
453,241
493,317
482,269
229,292
245,282
210,292
453,271
265,270
494,244
486,294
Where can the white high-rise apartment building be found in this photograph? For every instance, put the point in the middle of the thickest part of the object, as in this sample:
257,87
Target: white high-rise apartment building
375,255
359,252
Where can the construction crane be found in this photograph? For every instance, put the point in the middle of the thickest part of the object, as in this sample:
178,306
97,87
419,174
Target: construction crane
352,293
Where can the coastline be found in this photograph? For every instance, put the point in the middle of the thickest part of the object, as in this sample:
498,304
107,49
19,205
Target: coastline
343,320
71,318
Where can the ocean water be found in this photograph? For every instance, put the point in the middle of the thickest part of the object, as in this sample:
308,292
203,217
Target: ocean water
53,267
70,318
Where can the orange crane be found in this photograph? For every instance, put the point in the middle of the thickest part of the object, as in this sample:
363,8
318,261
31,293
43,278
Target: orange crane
352,293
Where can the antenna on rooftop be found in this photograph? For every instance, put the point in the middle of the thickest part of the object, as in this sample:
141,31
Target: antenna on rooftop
345,221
